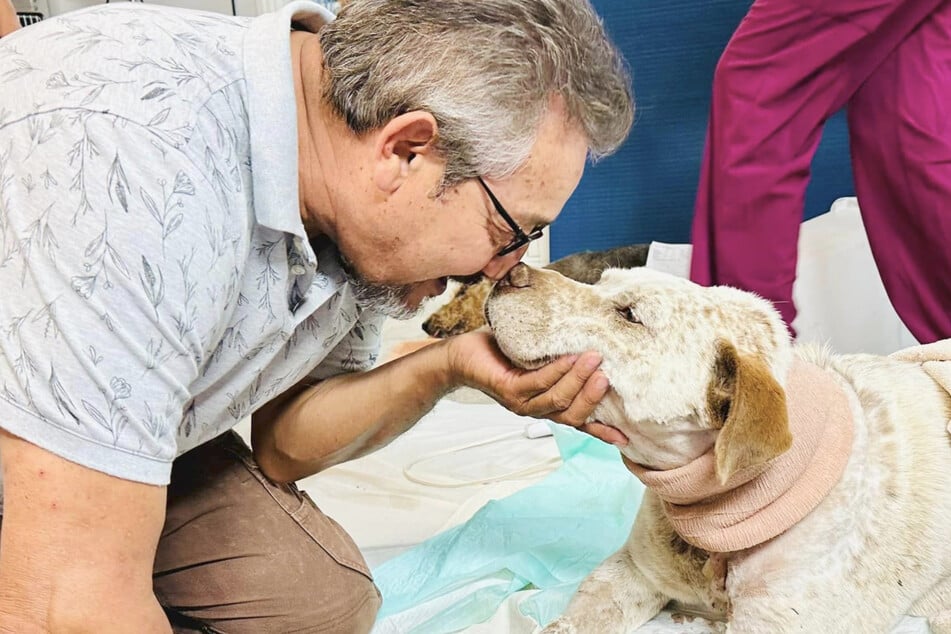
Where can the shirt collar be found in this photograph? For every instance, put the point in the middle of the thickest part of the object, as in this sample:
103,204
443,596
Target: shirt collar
273,113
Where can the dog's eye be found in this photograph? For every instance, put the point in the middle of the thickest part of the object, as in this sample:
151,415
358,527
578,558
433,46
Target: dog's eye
627,312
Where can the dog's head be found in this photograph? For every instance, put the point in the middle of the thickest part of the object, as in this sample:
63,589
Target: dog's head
690,367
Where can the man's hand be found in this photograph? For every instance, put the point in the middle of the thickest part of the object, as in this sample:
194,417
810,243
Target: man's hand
566,390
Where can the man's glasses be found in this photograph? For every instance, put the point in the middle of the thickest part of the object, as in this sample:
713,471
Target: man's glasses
521,238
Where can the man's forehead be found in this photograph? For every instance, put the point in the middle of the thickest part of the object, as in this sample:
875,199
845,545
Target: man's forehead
541,187
549,196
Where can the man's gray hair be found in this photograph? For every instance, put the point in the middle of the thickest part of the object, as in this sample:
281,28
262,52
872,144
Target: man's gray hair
485,69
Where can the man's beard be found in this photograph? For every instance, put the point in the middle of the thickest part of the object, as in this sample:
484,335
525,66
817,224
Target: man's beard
386,299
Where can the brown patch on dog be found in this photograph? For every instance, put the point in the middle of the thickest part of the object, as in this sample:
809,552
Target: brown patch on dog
755,428
721,389
587,267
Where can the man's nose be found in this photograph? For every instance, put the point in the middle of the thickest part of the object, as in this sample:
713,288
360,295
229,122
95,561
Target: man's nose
501,264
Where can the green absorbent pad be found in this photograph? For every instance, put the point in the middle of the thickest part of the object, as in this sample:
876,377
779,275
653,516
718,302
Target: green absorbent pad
548,536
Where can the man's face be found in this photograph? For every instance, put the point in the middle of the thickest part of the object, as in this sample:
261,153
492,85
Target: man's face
426,240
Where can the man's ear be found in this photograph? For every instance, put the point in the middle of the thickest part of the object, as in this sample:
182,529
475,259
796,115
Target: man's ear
398,144
749,405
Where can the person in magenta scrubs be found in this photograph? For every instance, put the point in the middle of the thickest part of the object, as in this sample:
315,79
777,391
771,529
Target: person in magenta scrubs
789,66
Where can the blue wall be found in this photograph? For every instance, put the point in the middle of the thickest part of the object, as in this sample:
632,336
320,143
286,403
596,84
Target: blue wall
646,190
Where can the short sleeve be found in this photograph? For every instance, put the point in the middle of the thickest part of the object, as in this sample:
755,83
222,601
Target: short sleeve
104,238
357,351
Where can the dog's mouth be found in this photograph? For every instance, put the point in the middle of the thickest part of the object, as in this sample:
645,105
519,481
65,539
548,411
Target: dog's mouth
534,364
610,434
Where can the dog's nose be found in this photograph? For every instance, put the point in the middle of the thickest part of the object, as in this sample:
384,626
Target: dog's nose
432,330
519,276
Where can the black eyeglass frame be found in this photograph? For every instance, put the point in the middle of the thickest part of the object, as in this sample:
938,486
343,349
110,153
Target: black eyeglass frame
521,238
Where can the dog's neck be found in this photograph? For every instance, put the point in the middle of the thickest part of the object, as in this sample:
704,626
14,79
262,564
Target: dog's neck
762,502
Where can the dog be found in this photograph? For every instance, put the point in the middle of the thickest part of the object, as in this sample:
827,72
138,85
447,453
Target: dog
788,489
463,313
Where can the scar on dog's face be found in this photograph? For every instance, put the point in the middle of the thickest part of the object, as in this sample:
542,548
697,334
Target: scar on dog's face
670,348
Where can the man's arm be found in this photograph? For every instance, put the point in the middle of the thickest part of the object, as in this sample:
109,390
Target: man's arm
313,427
76,547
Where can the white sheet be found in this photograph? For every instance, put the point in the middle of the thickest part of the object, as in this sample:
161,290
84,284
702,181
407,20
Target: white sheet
387,514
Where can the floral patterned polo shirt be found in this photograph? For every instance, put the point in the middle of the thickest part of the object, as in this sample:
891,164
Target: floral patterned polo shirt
156,283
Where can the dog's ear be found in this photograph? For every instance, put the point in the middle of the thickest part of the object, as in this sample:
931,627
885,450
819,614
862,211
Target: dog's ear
749,406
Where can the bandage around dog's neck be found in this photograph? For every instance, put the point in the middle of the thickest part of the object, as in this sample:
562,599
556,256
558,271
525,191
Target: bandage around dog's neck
762,502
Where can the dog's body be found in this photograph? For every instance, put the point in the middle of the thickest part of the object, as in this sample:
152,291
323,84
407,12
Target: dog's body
699,373
463,313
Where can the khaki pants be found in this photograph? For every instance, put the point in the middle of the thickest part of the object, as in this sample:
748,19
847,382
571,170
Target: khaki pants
240,554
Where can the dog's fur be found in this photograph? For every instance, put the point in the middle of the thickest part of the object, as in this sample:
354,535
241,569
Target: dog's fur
679,357
463,313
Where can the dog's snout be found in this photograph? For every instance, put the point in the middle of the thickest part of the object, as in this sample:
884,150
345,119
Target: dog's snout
431,329
519,276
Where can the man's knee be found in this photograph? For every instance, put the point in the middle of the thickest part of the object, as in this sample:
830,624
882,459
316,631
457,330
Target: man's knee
240,553
345,602
275,589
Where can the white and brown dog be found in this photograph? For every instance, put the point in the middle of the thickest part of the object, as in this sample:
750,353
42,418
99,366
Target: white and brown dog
788,489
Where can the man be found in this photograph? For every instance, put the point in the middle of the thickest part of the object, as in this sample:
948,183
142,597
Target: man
205,217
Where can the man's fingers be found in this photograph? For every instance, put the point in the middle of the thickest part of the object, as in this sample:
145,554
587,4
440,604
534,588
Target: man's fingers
556,392
546,377
583,401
